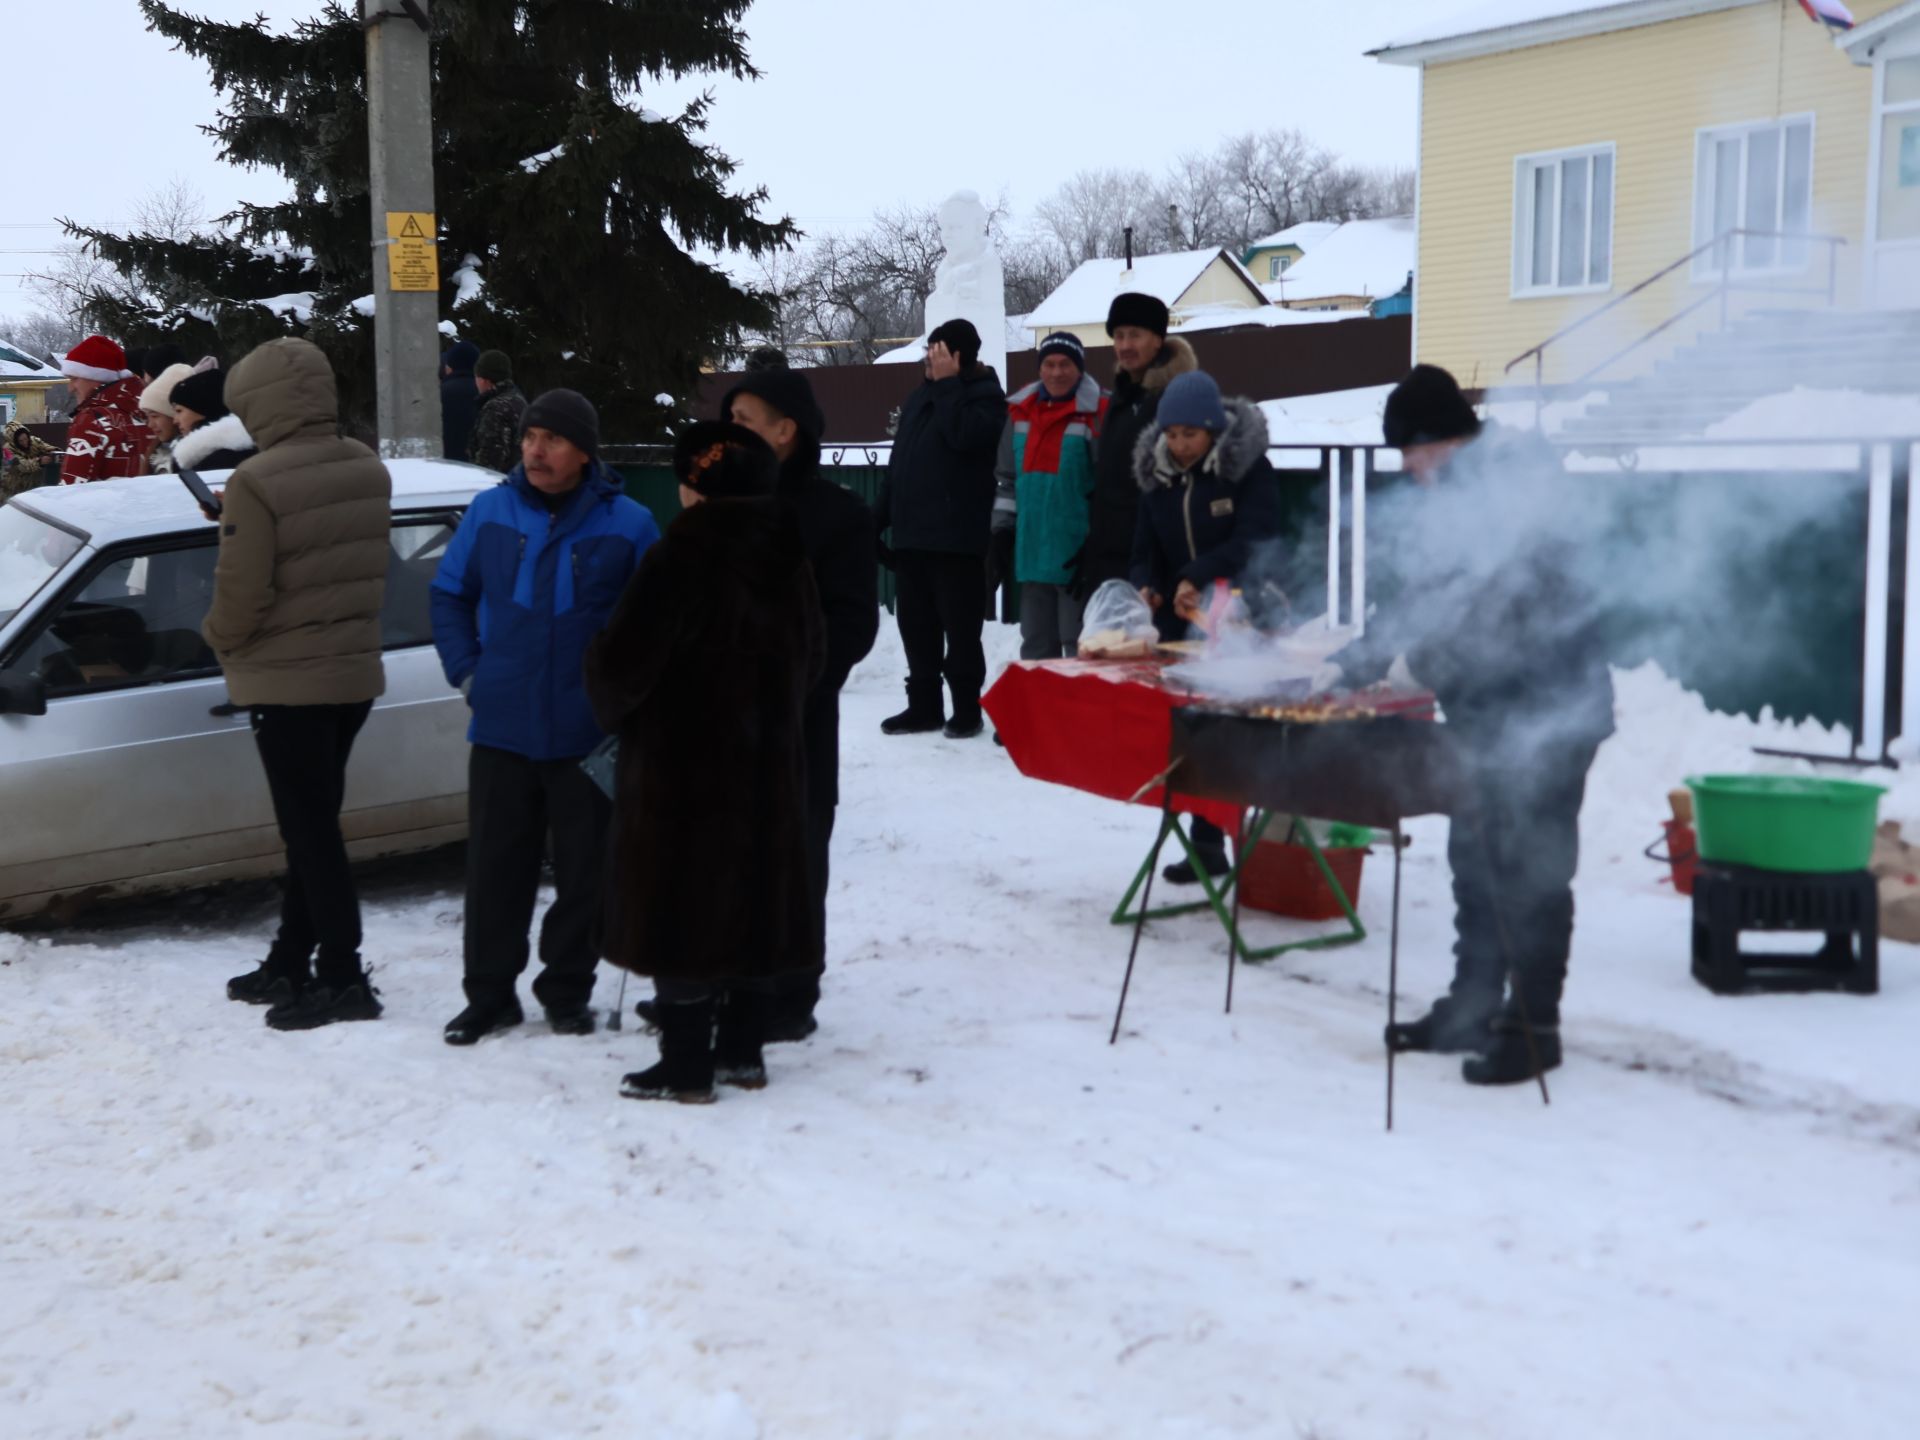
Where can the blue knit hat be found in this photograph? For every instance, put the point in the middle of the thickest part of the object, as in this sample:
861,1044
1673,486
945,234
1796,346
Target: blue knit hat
1193,399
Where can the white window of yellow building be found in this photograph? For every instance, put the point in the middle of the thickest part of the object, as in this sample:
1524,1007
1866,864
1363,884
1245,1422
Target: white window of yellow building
1756,178
1563,222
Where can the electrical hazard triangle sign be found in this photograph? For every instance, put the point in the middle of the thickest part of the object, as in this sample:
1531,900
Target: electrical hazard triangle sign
413,256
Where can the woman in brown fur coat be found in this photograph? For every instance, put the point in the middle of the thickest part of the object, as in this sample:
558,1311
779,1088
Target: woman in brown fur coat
703,673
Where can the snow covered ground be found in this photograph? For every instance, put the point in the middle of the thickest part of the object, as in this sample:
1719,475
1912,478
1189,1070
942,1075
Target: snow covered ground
958,1211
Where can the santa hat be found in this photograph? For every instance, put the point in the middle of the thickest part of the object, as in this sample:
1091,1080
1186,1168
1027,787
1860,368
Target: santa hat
96,358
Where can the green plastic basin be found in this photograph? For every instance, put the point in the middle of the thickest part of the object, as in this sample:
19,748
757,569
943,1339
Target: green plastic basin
1785,822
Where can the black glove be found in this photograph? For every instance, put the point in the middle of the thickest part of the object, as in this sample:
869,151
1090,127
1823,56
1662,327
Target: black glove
1000,554
1081,587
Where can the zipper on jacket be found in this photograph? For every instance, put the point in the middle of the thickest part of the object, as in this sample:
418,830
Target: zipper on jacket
1186,510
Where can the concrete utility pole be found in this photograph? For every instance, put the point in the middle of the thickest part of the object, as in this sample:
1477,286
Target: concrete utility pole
406,263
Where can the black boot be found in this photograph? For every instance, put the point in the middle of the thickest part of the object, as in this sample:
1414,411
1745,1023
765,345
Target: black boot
275,982
480,1019
1509,1059
966,723
1454,1026
571,1019
685,1071
1181,872
925,713
913,722
326,1002
737,1040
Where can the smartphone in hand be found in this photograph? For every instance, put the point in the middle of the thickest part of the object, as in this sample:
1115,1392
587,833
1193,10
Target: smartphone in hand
208,501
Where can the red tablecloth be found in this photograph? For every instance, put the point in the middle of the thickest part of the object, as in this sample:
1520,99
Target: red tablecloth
1097,725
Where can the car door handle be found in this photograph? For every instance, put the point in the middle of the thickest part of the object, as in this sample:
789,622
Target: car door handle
227,711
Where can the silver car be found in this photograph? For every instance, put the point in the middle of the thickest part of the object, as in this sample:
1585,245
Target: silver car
124,768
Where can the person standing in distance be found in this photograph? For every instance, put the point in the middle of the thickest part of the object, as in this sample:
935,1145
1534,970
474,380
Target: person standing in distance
938,502
531,576
1145,363
778,405
295,622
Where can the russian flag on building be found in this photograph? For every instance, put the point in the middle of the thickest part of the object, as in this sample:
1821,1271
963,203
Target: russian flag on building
1830,13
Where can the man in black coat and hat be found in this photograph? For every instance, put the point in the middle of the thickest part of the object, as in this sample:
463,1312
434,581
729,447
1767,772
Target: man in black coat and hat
778,405
459,398
1145,362
1495,603
938,502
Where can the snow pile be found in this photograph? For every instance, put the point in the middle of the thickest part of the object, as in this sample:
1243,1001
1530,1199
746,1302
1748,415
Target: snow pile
297,306
363,307
469,283
958,1210
1365,258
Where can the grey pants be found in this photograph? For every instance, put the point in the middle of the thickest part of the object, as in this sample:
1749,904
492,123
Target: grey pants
1049,621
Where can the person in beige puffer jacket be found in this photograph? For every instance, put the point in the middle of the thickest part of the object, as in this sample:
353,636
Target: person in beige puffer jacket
295,621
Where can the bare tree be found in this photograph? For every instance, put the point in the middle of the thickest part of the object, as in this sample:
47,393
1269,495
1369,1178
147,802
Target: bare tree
173,211
77,276
43,335
1034,269
1194,205
1089,215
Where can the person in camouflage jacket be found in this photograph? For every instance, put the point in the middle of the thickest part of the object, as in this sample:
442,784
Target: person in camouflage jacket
495,441
26,458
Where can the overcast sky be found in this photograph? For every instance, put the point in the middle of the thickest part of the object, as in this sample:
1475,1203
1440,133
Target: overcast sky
863,103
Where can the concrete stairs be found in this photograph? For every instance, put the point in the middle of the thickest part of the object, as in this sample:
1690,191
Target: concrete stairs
1762,354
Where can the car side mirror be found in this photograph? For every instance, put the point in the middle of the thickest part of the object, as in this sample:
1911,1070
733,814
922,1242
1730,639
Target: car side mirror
22,692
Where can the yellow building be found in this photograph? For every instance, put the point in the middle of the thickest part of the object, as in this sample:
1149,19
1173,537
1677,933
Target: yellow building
1574,152
24,383
1270,258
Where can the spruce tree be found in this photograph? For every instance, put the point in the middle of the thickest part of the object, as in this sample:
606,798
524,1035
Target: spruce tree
570,217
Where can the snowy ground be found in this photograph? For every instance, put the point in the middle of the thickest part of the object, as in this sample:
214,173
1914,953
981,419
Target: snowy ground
957,1211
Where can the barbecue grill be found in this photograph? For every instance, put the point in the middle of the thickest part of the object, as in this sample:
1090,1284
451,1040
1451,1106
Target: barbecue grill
1372,764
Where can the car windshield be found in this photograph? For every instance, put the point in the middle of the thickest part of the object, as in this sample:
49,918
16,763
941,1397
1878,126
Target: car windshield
31,553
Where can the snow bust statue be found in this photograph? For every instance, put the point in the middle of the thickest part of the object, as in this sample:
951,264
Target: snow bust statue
969,284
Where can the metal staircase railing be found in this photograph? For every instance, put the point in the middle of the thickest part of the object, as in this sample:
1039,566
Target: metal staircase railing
1730,281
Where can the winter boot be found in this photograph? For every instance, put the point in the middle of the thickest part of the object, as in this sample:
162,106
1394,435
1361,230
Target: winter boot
1509,1059
965,725
479,1019
571,1019
1181,872
737,1040
1454,1026
925,713
326,1002
273,983
913,722
685,1071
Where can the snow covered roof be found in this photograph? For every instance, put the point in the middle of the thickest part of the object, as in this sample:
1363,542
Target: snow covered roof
1235,317
1083,297
1363,257
1497,25
1338,417
17,364
1303,236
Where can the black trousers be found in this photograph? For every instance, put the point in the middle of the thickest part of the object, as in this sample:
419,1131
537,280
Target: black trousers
304,750
941,600
515,806
1514,849
799,991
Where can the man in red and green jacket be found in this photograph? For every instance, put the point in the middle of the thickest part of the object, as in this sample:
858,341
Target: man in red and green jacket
1045,476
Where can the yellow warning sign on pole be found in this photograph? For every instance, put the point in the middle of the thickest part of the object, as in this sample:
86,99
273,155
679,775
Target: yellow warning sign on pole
413,255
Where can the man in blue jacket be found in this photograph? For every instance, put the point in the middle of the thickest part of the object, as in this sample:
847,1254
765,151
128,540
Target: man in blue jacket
532,575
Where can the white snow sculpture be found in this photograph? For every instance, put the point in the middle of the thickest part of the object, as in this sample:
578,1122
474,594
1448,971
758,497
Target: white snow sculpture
969,283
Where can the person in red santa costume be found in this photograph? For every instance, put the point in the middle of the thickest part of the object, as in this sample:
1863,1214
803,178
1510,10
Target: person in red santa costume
108,438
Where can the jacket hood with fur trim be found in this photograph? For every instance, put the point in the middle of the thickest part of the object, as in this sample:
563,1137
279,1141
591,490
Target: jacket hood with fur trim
226,433
1237,449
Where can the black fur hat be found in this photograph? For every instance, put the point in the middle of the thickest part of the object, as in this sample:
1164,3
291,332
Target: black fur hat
724,461
1427,407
